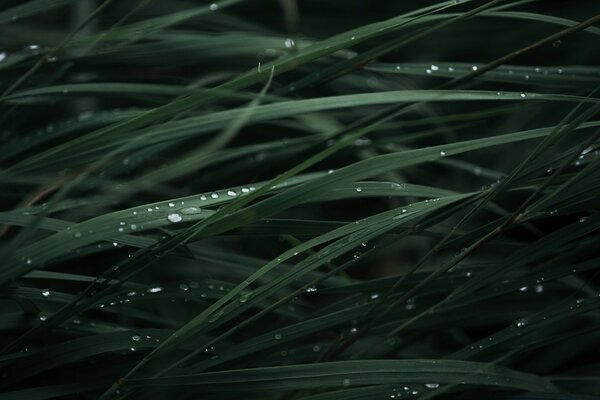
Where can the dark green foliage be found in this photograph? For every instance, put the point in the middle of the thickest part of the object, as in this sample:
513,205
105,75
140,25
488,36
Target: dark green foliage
299,199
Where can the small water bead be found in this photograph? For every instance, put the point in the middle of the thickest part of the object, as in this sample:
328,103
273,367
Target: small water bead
136,338
432,385
149,209
434,67
214,195
523,95
523,289
232,193
522,322
2,56
43,318
174,217
45,292
474,68
171,204
190,210
289,43
277,336
131,293
77,234
557,43
184,287
316,349
133,227
374,296
311,289
213,7
539,288
155,289
346,382
410,304
442,153
428,71
359,189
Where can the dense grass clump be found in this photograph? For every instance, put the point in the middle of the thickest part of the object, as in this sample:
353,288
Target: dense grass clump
299,199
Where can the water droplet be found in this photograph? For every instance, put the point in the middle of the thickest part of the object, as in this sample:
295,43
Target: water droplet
434,67
277,336
374,296
346,382
359,189
474,67
410,304
214,195
316,348
442,153
311,289
432,385
232,193
557,43
133,227
136,338
43,318
522,322
45,292
523,289
155,289
289,43
213,7
77,234
2,56
190,210
356,255
171,204
523,95
184,287
174,217
539,288
583,219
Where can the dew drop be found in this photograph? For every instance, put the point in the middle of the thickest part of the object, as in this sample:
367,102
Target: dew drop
155,289
213,7
136,338
190,210
359,189
442,153
432,385
434,67
277,336
346,382
522,322
289,43
174,217
45,292
214,195
232,193
184,287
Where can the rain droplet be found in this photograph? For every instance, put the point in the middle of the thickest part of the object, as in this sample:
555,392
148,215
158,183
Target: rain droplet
432,385
184,287
171,204
374,296
232,193
359,189
214,195
346,382
213,7
523,95
522,322
474,67
190,210
289,43
45,292
434,67
155,289
277,336
442,153
311,289
174,217
136,338
557,43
